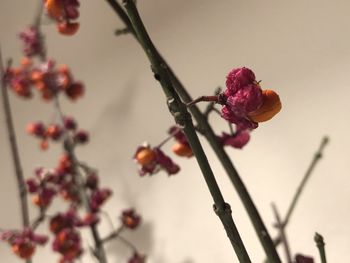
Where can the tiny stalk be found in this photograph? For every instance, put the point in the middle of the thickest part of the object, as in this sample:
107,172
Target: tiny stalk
171,135
214,99
282,233
321,247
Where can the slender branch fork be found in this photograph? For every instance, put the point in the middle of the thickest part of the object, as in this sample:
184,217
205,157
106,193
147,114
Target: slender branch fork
310,169
183,118
317,157
282,233
14,149
205,128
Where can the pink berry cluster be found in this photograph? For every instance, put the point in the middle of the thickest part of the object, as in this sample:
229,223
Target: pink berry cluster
55,132
64,13
23,242
70,180
32,42
67,240
245,103
130,219
45,78
237,140
151,160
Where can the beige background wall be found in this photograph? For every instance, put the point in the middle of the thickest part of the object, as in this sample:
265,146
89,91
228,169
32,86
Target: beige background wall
299,48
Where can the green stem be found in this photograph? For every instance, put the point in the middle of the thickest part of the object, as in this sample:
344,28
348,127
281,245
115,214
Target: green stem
317,157
301,187
183,118
253,213
114,234
14,149
282,233
203,123
320,245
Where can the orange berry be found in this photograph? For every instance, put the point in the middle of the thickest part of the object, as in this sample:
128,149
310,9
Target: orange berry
54,8
37,76
23,250
54,132
39,201
68,28
145,156
26,62
270,107
21,90
182,149
44,145
63,69
70,194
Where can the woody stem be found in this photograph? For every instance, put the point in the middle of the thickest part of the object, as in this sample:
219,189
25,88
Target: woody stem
14,149
206,129
183,118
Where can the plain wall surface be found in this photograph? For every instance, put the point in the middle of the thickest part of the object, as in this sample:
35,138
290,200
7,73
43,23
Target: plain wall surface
301,49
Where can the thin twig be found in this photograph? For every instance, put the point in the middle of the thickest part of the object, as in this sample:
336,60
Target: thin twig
14,149
122,31
108,218
113,235
39,219
317,157
214,99
38,14
211,105
206,129
282,233
320,245
128,243
69,147
171,135
37,25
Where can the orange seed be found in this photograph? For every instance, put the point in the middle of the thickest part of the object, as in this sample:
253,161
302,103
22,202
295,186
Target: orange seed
270,107
145,156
